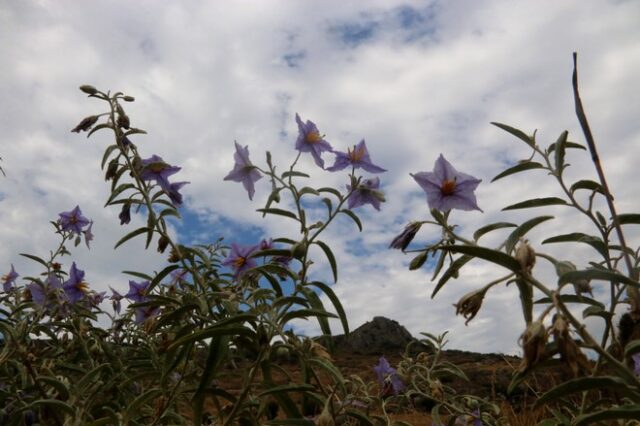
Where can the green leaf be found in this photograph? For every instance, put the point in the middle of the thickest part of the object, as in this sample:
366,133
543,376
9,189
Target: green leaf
526,298
633,347
107,154
441,258
336,303
287,388
138,275
221,328
596,274
134,131
552,147
279,212
522,230
161,275
630,412
327,202
597,311
307,190
587,184
55,406
561,144
217,352
353,216
60,387
490,255
130,235
304,314
584,384
99,127
323,321
418,261
36,258
579,237
517,133
331,191
571,298
629,218
134,408
529,165
332,260
492,227
537,202
452,271
294,174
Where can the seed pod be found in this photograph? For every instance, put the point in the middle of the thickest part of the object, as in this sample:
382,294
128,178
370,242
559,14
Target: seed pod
88,89
533,342
526,256
470,304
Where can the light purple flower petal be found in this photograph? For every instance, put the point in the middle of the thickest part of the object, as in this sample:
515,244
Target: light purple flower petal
240,259
367,192
75,287
446,188
88,235
73,221
154,168
310,140
9,280
243,170
137,291
357,158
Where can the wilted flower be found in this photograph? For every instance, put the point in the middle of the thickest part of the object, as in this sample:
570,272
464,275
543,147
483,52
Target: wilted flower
125,214
580,286
526,256
447,188
240,258
367,192
9,280
137,291
570,353
174,192
73,221
310,140
358,158
154,168
88,235
533,342
75,287
388,378
243,170
403,240
470,304
86,124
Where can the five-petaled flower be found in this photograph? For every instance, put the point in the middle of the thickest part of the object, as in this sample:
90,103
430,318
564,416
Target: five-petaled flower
154,168
88,235
9,280
240,259
137,291
243,170
356,158
310,140
40,292
366,192
116,298
447,188
75,287
144,313
73,221
388,378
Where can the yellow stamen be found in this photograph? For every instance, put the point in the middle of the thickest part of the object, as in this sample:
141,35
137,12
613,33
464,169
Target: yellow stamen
448,187
313,137
82,286
239,262
356,154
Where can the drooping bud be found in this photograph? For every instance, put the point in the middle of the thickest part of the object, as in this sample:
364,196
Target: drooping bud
533,342
88,89
470,304
570,353
403,240
86,124
112,170
174,255
128,98
163,242
526,256
298,250
123,121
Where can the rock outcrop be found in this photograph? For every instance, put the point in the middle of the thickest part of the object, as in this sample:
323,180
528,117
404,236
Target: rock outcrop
377,337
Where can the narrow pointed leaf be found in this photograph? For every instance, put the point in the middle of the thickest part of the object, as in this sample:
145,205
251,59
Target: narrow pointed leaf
130,235
537,202
629,218
571,298
336,304
493,256
561,144
529,165
452,271
279,212
629,412
332,260
583,384
353,216
294,174
579,237
36,258
418,261
587,184
596,274
515,132
492,227
522,230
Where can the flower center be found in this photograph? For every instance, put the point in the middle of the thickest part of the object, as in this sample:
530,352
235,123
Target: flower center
313,137
156,167
82,286
448,187
239,262
356,154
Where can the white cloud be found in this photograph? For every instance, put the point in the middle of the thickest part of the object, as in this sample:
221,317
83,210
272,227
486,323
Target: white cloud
414,82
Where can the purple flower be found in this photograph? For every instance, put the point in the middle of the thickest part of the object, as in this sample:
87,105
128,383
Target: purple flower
137,291
75,287
240,259
173,192
9,280
474,418
154,168
636,363
125,214
447,188
266,244
96,299
310,140
179,276
243,170
367,192
115,300
40,291
143,313
358,158
388,378
88,235
73,221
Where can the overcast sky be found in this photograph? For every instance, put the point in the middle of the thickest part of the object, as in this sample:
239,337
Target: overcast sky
414,78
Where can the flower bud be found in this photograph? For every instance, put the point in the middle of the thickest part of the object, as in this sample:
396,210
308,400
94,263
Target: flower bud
88,89
123,121
533,342
174,255
163,242
298,250
470,304
112,170
403,240
128,98
86,124
526,256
